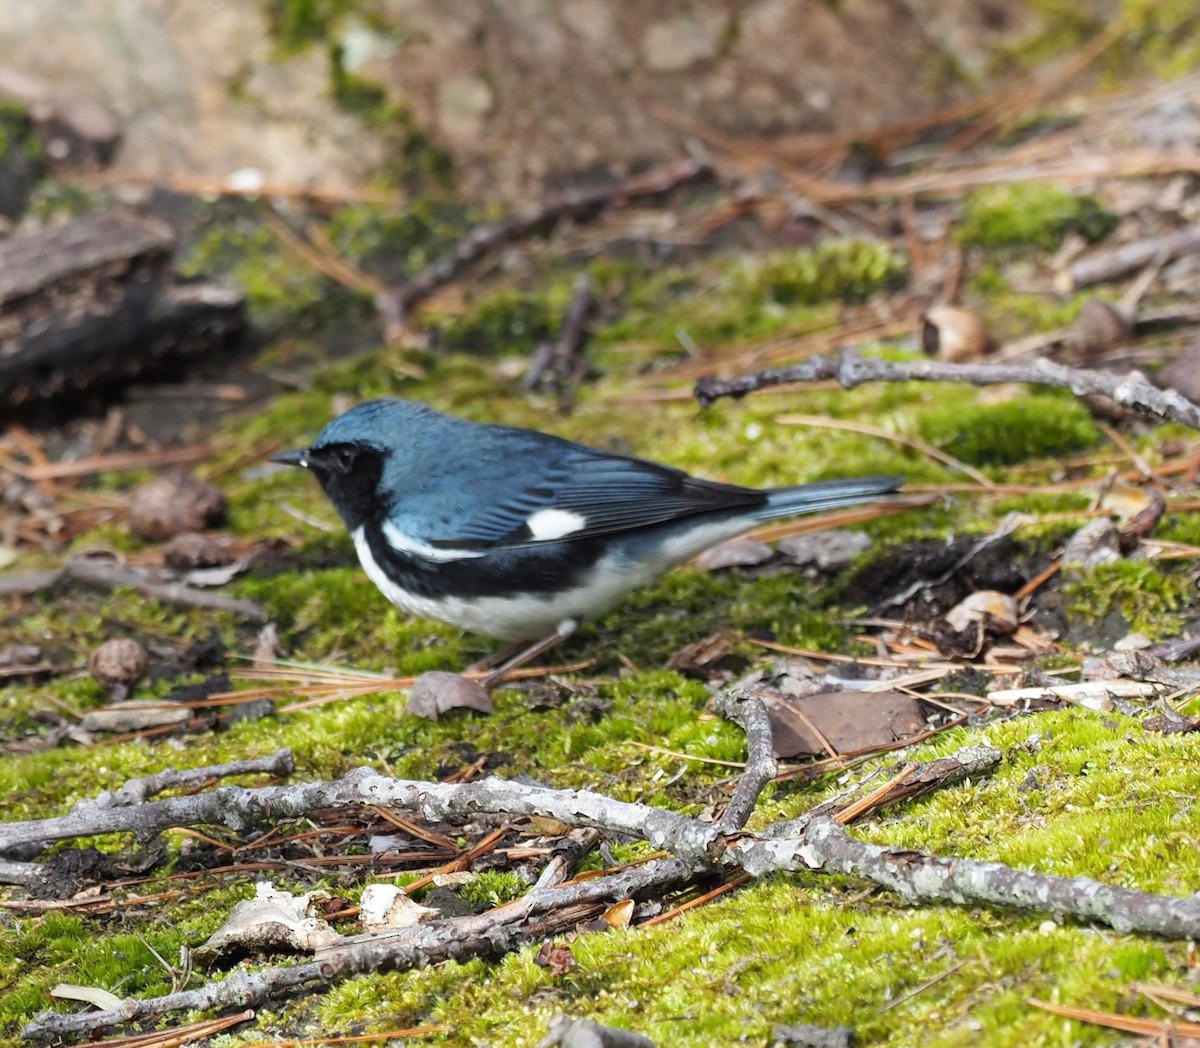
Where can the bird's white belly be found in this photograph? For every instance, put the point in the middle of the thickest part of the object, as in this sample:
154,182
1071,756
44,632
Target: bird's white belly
531,616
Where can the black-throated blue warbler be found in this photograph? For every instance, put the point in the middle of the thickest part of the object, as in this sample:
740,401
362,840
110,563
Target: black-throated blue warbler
518,534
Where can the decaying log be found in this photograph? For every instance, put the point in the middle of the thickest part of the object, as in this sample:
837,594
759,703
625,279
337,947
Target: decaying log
95,301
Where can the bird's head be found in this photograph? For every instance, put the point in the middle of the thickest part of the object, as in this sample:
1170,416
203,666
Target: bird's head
350,455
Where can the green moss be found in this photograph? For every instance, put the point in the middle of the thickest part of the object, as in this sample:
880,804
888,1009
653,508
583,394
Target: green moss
492,888
1147,595
504,321
1163,35
843,269
280,287
297,24
1030,213
1039,425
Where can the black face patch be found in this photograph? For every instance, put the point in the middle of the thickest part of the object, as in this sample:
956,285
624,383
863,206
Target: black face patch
349,475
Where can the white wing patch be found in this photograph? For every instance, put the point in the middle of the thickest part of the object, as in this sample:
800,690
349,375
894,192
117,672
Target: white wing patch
402,543
546,525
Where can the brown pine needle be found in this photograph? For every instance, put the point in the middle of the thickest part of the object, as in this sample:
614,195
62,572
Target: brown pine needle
1168,993
325,262
1127,1023
875,798
685,756
178,1035
460,862
862,428
118,460
700,900
1039,580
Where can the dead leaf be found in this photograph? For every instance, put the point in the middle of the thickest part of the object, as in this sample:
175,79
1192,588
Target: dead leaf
995,610
544,826
620,914
272,922
951,333
193,549
1183,373
92,995
135,715
852,721
825,550
555,956
266,647
699,656
1097,542
1098,328
743,552
437,692
1171,723
387,906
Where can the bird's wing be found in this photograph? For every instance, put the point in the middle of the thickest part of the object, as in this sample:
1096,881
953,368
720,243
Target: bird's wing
575,494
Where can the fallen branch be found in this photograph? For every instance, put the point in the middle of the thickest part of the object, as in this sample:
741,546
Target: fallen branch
750,713
1113,263
491,934
97,572
482,240
559,366
851,369
814,843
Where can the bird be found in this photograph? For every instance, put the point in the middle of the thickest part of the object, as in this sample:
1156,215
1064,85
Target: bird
521,535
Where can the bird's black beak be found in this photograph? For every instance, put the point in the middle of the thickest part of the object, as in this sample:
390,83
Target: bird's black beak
292,458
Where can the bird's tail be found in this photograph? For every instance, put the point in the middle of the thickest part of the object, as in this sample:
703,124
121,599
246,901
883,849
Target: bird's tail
826,494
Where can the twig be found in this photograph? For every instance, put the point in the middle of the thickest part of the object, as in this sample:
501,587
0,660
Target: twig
826,847
118,460
821,844
139,790
489,934
97,572
750,713
877,431
559,365
852,369
580,206
1115,262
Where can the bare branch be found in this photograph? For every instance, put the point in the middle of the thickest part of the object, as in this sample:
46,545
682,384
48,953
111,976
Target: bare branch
749,712
826,847
851,369
239,808
488,934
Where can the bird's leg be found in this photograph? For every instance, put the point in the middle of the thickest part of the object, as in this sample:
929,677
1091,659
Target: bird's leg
496,657
561,632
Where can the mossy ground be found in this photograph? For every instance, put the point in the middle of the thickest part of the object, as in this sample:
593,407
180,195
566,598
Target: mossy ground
1078,793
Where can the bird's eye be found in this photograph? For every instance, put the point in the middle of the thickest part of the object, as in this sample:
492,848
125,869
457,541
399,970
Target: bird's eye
344,457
